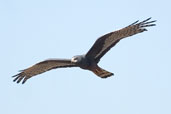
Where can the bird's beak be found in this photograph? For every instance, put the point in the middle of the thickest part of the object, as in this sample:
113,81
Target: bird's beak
73,60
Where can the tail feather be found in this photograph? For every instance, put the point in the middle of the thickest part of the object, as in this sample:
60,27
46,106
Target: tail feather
101,72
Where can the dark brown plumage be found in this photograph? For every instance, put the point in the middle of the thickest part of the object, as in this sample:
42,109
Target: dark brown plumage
90,60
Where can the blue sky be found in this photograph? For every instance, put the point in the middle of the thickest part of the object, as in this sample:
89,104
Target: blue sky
34,30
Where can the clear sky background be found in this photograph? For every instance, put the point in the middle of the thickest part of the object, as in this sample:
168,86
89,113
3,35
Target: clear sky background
35,30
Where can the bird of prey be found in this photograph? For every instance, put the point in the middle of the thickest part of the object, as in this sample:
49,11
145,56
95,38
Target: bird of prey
90,60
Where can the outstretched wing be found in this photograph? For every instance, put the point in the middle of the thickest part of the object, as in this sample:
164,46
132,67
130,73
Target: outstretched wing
42,67
106,42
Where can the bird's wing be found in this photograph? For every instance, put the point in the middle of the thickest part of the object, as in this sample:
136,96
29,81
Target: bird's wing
106,42
42,67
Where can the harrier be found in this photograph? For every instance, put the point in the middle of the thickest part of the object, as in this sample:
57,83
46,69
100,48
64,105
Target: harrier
89,60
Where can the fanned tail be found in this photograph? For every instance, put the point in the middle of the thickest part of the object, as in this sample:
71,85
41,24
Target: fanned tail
101,72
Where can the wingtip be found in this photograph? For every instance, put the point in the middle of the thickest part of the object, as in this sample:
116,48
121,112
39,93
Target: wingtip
134,23
20,77
15,75
149,18
24,81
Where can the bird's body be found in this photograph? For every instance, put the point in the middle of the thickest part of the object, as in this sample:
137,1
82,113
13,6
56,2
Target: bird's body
88,63
90,60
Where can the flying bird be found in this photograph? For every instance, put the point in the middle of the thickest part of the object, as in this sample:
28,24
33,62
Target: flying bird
90,60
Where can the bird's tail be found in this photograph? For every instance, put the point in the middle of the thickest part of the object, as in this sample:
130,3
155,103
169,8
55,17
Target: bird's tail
101,72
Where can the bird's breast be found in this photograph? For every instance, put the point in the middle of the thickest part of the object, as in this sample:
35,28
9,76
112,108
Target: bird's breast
86,63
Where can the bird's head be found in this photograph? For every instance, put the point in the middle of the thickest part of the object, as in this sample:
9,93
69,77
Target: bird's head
76,59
